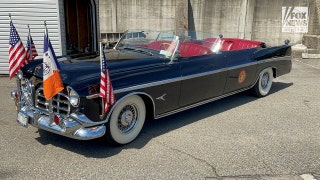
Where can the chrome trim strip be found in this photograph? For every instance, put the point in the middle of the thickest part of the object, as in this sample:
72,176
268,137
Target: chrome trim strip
242,65
147,85
282,58
200,103
137,87
218,70
93,96
203,74
167,81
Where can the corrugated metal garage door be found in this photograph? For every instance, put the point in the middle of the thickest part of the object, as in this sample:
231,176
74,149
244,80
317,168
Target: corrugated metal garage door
32,12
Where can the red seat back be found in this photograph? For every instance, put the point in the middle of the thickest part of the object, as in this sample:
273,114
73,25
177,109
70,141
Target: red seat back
230,44
238,44
189,49
158,45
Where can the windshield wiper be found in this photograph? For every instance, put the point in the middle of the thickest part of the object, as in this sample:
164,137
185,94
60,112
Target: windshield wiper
138,50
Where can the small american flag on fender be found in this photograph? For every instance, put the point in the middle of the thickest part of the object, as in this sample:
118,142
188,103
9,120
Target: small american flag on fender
31,49
106,89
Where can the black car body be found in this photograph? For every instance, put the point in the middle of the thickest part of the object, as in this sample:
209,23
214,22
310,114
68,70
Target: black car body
155,74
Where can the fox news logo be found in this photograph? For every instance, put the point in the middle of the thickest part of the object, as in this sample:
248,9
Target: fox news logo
295,19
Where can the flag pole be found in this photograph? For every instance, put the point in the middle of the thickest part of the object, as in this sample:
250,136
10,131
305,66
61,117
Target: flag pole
45,28
101,56
29,43
50,100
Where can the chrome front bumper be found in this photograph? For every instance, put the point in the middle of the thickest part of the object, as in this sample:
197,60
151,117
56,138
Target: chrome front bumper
76,125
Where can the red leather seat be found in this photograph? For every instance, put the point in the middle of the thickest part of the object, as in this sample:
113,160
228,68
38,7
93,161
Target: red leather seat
186,49
159,45
230,44
190,49
238,44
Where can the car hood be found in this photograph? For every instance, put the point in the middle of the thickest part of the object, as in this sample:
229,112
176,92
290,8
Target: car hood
76,72
73,70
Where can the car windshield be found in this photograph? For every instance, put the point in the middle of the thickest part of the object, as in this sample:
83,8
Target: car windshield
168,43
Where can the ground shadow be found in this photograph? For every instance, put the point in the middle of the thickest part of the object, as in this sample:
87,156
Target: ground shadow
98,148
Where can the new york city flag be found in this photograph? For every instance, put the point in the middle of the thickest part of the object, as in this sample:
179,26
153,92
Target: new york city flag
52,83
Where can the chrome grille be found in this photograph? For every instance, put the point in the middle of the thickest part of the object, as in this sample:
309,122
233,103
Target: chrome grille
60,103
26,92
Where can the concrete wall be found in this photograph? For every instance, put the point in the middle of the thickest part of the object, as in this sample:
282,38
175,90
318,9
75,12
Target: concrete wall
220,16
248,19
312,39
267,23
314,22
120,15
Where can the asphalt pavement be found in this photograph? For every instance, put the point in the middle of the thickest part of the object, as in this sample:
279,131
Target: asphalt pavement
238,137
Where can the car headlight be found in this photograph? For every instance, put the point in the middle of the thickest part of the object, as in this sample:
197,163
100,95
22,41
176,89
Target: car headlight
20,74
73,97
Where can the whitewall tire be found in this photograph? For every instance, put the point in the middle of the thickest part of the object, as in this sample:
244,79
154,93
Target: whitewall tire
264,83
126,121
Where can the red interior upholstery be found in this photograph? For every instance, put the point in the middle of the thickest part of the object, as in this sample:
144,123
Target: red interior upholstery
209,42
238,44
158,45
190,49
186,49
230,44
226,45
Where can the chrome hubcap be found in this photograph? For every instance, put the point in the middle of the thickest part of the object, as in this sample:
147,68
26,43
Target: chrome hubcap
127,118
265,80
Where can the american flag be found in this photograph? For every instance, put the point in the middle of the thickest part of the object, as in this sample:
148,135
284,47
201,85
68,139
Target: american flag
17,53
106,89
31,49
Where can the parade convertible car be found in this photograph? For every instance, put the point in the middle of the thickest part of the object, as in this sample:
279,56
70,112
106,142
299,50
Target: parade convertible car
154,74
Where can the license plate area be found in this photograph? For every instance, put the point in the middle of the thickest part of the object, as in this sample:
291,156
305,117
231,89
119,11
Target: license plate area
23,119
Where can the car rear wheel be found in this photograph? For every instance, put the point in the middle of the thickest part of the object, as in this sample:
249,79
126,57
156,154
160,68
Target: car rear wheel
126,121
264,83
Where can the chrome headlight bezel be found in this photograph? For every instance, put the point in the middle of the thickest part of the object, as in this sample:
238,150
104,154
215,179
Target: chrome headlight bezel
20,75
74,98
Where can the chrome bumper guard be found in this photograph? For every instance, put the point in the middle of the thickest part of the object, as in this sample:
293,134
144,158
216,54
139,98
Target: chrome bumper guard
76,125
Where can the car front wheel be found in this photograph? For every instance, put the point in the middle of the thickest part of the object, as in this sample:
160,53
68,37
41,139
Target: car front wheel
126,121
264,83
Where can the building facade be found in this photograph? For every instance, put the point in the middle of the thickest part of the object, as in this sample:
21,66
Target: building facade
249,19
78,25
72,25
